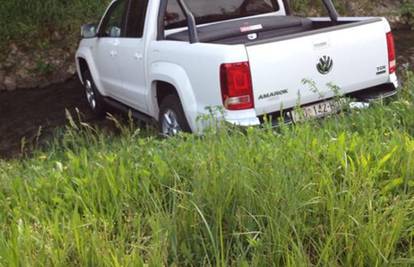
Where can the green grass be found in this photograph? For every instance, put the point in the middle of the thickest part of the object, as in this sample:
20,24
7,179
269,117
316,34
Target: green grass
28,19
338,192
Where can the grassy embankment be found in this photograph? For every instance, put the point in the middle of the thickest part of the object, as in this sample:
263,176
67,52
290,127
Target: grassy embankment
338,192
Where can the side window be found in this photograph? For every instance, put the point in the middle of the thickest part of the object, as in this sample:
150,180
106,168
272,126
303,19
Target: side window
113,22
174,16
137,11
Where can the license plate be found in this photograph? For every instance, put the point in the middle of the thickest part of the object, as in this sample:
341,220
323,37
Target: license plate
318,110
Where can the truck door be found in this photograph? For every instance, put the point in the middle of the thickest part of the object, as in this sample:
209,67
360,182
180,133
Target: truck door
131,57
107,48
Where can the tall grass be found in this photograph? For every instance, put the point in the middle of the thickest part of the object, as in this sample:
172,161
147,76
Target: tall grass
337,192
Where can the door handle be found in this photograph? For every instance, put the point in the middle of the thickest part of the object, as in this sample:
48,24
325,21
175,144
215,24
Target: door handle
113,53
138,56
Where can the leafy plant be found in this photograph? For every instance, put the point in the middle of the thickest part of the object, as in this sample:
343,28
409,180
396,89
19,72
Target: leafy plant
407,12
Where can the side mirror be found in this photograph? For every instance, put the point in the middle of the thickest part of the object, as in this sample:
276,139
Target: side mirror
89,31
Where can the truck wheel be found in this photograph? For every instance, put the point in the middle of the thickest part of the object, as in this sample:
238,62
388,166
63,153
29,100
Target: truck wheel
94,98
172,119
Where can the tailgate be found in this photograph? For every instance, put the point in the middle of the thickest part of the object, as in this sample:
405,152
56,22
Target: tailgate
302,70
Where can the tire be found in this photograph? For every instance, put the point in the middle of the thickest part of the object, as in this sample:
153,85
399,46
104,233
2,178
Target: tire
93,97
172,119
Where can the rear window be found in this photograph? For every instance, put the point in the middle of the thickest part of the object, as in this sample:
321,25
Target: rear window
216,10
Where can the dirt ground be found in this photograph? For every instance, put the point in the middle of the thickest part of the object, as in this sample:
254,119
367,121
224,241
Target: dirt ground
24,112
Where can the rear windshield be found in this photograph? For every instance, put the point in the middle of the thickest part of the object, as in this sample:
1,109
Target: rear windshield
206,11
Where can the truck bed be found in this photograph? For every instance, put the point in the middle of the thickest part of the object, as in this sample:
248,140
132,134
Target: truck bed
263,28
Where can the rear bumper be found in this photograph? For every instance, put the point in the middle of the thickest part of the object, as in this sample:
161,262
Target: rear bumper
375,93
359,99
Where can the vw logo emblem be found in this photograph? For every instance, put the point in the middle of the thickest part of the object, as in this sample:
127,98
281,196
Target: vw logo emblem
325,65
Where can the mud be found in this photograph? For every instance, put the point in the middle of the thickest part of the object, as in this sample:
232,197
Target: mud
29,114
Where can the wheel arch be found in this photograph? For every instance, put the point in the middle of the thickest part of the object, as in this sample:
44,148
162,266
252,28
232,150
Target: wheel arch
85,61
168,78
82,66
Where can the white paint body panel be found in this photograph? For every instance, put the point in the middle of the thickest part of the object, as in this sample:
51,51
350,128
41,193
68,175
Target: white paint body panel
130,74
291,65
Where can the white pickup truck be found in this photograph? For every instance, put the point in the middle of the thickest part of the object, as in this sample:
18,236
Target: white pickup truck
170,60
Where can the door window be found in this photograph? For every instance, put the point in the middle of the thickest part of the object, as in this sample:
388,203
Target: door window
113,24
136,18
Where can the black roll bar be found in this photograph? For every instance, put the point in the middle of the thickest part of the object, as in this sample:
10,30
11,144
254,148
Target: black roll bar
330,7
161,17
333,14
192,26
288,9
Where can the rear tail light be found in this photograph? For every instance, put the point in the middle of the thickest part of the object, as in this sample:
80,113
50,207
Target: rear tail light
391,53
236,86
